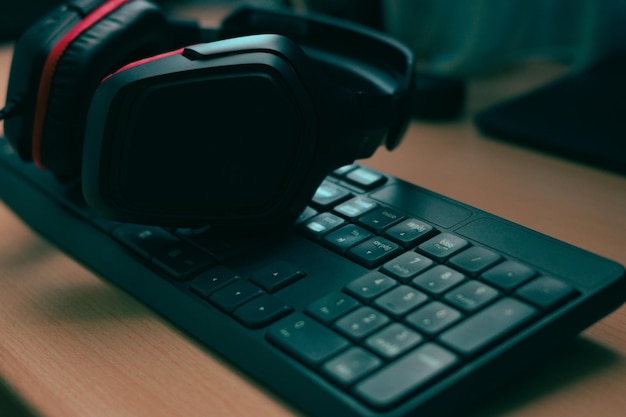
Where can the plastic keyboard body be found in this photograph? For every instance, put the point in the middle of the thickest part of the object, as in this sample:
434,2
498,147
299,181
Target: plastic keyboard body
384,300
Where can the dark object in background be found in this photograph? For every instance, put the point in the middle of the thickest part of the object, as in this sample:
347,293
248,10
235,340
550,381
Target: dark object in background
437,97
580,116
17,15
365,12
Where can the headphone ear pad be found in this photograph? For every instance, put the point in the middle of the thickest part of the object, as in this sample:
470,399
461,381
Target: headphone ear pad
134,30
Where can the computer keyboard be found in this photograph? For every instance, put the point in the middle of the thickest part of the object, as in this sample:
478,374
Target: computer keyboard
385,299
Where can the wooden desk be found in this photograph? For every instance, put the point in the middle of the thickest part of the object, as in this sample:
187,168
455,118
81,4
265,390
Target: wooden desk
72,345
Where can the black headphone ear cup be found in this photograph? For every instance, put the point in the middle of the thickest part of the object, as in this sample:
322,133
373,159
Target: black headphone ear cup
134,30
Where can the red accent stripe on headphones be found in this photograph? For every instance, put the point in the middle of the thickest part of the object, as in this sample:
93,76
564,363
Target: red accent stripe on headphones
145,61
45,83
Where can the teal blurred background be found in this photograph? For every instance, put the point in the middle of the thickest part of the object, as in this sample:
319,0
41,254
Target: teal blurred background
453,37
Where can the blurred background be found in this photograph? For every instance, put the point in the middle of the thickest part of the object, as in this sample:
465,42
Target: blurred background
450,37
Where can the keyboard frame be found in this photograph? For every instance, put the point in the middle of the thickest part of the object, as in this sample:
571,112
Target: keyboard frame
37,198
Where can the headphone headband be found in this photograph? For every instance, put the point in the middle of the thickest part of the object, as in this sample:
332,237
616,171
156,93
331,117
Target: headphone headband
385,63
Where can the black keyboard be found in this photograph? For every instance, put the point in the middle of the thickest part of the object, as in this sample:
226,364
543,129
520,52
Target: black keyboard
385,299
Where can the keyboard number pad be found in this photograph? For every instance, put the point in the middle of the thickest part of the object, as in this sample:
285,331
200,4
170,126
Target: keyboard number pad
407,265
488,326
331,307
370,286
393,341
433,318
400,300
471,296
430,301
402,377
545,292
361,323
306,339
351,365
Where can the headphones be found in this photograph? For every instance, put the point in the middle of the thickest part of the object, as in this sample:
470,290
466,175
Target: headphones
168,123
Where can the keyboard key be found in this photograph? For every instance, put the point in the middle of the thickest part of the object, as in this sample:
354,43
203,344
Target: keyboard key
488,326
393,341
380,219
361,322
328,195
443,246
261,311
277,275
374,251
474,260
400,300
182,261
322,224
306,339
370,286
404,376
433,317
145,240
471,296
174,256
351,365
208,282
409,232
217,245
234,295
343,239
508,275
342,171
406,266
306,214
545,292
438,280
355,208
332,306
366,178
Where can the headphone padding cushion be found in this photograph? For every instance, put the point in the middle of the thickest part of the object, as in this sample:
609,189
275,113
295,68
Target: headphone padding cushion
135,30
